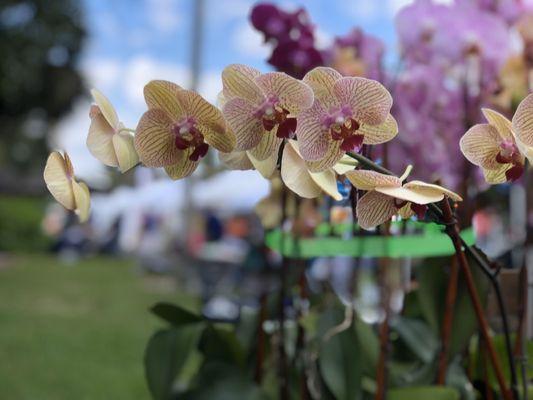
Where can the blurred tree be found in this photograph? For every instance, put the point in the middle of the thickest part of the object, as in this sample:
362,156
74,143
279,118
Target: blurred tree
40,41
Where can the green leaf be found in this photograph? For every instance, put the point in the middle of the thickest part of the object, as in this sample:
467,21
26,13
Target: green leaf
368,345
457,378
175,314
340,359
417,336
423,393
221,344
433,282
165,355
221,381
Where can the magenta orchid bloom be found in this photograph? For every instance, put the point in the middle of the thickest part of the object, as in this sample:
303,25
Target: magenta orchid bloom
347,113
261,109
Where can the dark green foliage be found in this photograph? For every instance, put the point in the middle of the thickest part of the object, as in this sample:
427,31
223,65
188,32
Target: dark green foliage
39,42
20,224
175,315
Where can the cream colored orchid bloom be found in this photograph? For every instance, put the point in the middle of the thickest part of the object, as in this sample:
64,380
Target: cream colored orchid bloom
346,113
178,129
523,127
498,147
297,176
60,181
261,109
108,140
386,197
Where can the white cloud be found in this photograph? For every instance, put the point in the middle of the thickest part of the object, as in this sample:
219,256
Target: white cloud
210,85
101,72
323,39
249,42
164,15
141,69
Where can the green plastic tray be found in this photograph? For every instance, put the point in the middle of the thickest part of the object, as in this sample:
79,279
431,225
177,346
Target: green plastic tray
430,242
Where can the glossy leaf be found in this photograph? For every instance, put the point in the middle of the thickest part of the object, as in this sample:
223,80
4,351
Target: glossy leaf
166,354
175,314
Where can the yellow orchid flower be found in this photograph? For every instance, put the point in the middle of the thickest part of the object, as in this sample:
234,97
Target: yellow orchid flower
347,112
178,129
60,181
108,140
497,147
386,197
262,108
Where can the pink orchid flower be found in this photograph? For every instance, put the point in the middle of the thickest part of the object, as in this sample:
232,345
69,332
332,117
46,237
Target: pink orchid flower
347,112
261,109
386,197
494,146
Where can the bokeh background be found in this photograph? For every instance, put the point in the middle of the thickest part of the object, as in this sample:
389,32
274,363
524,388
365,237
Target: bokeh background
73,298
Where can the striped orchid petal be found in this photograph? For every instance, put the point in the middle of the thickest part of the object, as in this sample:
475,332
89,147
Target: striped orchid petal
154,141
294,95
374,209
248,129
523,123
480,145
369,100
238,81
370,180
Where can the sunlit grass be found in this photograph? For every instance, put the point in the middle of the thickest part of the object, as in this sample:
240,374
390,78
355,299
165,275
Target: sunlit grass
75,331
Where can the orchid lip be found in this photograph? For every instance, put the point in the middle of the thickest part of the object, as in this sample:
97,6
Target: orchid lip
187,135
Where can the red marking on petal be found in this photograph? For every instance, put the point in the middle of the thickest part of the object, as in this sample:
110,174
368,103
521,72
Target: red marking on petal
419,210
181,143
352,143
399,203
287,128
502,159
355,125
335,135
199,152
514,173
269,124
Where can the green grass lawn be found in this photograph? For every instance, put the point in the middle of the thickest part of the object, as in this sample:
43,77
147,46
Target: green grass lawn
75,331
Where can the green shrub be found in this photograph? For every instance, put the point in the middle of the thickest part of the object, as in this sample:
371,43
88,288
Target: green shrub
20,224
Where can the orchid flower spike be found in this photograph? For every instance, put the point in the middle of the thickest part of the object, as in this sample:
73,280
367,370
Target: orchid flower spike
178,129
108,140
499,146
60,181
347,112
386,197
261,109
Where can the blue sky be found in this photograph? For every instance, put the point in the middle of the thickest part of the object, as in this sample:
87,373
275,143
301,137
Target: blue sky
132,41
